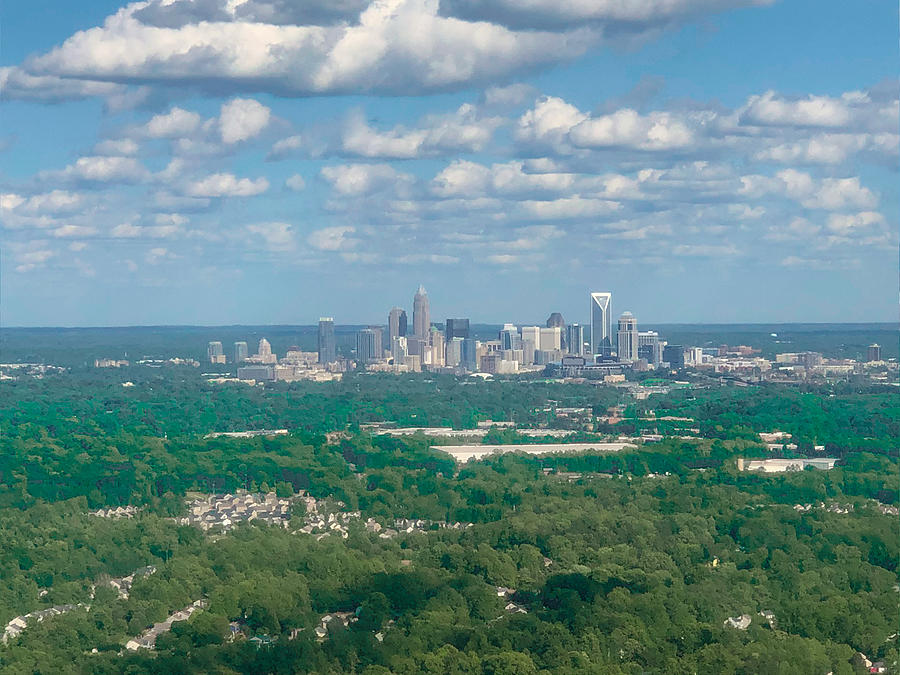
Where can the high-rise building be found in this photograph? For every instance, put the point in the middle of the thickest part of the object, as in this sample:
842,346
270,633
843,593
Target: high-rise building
555,320
650,347
327,345
421,315
399,349
601,324
551,339
469,354
379,340
575,339
456,328
241,351
454,352
874,352
674,356
437,347
215,352
264,352
531,342
509,337
366,346
396,324
627,342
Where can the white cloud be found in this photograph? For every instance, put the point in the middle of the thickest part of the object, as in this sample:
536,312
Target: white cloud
98,169
634,17
53,202
464,130
570,207
627,128
18,84
67,231
34,259
130,231
242,119
286,147
126,231
360,179
159,254
227,185
383,53
333,238
177,123
295,182
549,121
705,250
841,193
849,223
120,146
772,109
276,236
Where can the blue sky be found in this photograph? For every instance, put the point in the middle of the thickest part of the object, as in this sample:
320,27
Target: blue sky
264,161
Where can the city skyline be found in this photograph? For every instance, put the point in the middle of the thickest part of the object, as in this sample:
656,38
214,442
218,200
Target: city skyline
694,158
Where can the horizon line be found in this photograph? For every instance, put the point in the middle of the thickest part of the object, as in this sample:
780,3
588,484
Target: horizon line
895,324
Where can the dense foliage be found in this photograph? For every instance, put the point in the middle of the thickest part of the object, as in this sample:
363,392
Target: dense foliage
622,563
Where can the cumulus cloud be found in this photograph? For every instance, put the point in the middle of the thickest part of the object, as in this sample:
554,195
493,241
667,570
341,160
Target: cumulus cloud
333,238
130,231
18,84
226,185
117,146
813,111
242,119
464,130
382,53
275,236
158,255
100,169
68,231
176,123
614,16
286,147
359,179
33,259
627,128
44,203
295,183
848,223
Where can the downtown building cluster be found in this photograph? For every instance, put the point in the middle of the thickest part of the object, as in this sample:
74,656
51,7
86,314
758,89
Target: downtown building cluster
402,345
601,349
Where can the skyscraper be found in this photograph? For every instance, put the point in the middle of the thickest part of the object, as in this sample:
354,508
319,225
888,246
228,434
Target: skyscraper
674,356
627,342
399,350
396,324
550,338
601,324
421,315
555,320
650,347
456,328
366,346
241,351
531,342
575,339
437,347
327,346
874,352
264,352
468,357
215,352
509,337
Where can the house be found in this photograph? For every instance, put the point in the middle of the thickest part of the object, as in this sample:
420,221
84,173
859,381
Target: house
741,622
